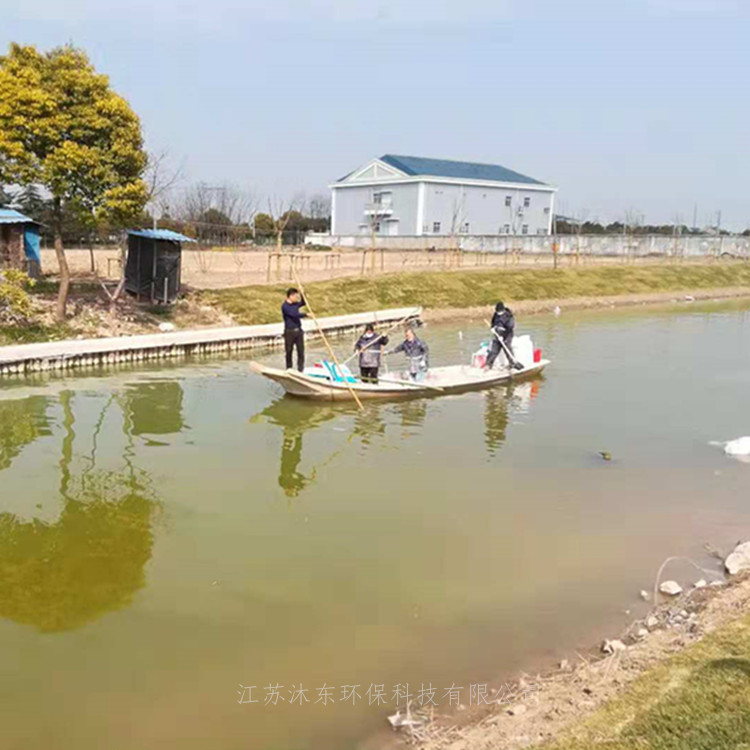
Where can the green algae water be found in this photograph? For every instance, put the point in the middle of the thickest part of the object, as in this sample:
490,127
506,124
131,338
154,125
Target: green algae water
188,559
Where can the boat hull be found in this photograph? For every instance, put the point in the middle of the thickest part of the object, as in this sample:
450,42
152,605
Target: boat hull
440,381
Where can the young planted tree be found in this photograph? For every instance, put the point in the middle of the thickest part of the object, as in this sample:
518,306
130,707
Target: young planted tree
281,212
63,127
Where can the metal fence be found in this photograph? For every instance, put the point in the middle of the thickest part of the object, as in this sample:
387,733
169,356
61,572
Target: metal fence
619,245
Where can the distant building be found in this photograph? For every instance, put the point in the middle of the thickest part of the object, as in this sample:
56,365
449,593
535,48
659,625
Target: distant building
410,195
19,241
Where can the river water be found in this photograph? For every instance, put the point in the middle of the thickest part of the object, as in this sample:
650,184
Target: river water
171,538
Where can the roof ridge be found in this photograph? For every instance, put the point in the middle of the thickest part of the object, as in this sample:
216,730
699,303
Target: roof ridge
467,170
452,161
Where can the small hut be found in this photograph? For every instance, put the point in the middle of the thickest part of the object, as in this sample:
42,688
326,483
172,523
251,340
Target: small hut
154,264
19,242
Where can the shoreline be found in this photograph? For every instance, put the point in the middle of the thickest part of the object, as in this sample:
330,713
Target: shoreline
560,703
537,307
55,354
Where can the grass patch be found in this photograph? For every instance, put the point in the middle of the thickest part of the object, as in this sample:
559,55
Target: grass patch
698,700
33,333
260,304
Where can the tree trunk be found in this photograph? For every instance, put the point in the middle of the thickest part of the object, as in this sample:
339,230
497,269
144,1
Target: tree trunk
91,255
62,262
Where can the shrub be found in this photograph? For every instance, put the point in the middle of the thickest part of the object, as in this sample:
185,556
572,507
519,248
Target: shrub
15,303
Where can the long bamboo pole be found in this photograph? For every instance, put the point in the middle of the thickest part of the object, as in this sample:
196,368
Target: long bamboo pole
322,333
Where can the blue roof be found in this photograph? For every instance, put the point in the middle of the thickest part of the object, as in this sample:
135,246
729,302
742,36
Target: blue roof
11,216
465,170
160,234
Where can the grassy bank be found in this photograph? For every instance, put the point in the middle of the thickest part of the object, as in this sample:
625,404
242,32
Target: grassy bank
436,290
31,334
698,700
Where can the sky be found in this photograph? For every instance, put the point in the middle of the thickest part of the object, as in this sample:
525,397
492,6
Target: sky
625,105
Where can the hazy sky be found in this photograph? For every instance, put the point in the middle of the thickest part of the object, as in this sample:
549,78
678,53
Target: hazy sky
629,104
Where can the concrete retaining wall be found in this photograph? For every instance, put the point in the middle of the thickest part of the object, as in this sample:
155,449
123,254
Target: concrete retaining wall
49,356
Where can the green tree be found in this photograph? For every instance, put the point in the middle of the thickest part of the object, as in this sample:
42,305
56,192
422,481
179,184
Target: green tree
62,126
5,197
264,225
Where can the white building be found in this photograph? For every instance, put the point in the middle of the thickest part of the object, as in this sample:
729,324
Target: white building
414,196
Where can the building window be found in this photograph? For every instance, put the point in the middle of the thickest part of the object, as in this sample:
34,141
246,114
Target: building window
541,231
382,199
546,210
508,200
526,202
436,227
525,229
506,229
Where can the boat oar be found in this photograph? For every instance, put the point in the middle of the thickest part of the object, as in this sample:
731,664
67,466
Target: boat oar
322,334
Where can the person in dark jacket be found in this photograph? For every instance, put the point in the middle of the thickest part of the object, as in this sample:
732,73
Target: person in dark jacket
294,336
370,345
502,327
417,352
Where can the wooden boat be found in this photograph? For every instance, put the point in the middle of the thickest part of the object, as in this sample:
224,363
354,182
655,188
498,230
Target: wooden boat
439,381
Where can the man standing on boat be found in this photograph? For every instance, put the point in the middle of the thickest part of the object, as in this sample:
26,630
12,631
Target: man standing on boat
370,345
502,326
294,336
416,351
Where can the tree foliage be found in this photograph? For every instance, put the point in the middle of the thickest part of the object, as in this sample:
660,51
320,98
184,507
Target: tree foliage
62,127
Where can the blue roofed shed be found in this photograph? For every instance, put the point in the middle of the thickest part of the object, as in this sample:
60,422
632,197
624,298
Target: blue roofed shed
19,241
154,265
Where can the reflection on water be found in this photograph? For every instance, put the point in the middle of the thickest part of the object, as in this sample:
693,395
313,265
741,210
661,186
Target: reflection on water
155,408
498,402
495,420
295,419
370,424
62,574
21,423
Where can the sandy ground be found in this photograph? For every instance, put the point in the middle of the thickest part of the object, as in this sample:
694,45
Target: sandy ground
545,705
223,269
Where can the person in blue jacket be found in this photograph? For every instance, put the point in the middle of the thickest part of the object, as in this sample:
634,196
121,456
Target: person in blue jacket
294,336
417,353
